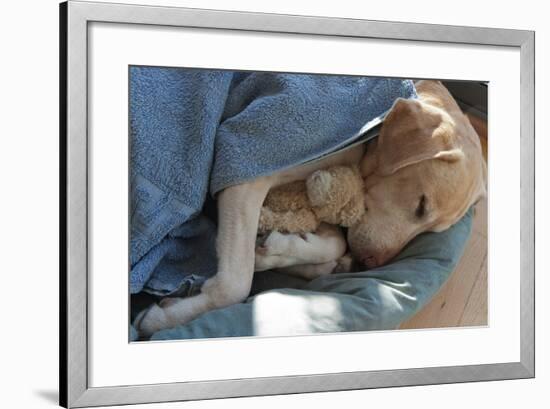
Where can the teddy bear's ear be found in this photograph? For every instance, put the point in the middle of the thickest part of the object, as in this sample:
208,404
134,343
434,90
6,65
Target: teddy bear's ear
413,132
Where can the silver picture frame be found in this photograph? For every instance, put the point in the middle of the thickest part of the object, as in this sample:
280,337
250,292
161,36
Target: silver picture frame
75,16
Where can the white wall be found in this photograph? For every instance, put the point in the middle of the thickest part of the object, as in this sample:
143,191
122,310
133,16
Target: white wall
29,203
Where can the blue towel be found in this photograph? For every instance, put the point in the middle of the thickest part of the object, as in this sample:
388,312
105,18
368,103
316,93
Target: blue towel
197,131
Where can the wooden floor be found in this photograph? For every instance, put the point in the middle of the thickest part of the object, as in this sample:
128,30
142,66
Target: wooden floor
462,301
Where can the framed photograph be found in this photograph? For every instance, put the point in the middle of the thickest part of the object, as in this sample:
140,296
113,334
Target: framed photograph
260,204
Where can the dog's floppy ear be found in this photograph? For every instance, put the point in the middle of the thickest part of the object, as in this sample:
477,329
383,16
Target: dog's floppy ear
413,132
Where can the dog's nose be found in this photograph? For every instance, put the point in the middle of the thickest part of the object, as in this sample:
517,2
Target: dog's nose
370,261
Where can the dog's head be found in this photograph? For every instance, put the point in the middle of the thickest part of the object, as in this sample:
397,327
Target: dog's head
422,174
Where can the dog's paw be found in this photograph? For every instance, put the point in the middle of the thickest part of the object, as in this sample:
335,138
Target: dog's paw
273,244
318,187
263,263
279,250
151,320
270,251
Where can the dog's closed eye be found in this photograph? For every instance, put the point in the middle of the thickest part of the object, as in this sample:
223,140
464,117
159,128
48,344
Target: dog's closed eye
420,211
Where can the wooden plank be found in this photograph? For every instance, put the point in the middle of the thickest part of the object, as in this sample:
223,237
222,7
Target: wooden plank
476,311
447,307
481,218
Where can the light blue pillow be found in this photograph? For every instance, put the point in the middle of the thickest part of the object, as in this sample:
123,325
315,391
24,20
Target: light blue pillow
377,299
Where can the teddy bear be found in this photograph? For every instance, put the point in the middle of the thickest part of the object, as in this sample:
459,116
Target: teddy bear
334,195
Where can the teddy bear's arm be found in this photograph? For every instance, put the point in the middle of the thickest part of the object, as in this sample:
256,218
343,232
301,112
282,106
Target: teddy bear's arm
292,196
299,221
352,212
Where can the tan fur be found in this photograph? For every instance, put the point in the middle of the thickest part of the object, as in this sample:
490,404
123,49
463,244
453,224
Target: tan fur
426,147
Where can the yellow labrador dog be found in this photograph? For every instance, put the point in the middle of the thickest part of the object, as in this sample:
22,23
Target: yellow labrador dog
421,174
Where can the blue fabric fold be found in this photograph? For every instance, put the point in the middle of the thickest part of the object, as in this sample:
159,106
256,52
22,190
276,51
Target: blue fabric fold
377,299
195,131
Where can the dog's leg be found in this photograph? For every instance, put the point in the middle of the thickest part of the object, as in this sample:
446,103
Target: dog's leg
285,250
238,213
343,264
